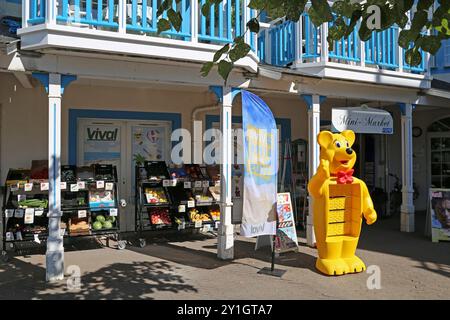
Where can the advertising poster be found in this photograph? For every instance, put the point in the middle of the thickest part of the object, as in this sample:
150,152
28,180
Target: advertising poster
102,144
260,169
440,214
286,239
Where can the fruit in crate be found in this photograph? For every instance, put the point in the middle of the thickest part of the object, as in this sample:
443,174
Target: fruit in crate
160,217
100,218
112,219
195,216
97,225
155,196
203,198
107,225
215,214
33,203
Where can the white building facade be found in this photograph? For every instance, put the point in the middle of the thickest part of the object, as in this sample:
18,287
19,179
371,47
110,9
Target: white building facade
83,63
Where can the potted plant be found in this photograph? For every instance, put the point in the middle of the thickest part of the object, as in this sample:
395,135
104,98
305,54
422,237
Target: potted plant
140,160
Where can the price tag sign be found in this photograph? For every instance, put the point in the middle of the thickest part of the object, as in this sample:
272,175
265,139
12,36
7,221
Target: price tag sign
21,197
205,184
29,216
28,186
100,184
187,185
74,187
191,204
113,212
182,226
9,213
217,224
206,228
44,186
166,183
182,208
198,184
82,214
63,185
173,182
217,183
198,224
81,184
109,186
18,213
38,212
14,187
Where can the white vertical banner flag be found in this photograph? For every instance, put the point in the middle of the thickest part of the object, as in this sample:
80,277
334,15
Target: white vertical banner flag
260,167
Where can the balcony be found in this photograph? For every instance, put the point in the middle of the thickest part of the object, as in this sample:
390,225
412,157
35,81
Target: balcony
380,59
129,27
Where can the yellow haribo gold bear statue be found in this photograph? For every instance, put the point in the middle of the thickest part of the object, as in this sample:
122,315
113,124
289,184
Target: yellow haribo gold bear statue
339,201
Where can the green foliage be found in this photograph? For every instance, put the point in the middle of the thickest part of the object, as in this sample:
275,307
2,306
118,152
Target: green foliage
425,31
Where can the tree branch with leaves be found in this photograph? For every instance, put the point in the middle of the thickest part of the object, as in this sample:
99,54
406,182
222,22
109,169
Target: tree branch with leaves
425,31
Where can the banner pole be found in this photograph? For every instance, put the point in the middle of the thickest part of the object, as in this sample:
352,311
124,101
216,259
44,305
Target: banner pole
272,267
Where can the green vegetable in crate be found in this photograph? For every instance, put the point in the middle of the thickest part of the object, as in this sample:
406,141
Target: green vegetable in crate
112,219
97,225
107,225
33,203
100,218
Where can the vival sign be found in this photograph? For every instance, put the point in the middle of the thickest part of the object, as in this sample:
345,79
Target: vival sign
362,120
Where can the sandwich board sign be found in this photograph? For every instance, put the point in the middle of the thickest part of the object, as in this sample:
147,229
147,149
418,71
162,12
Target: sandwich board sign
286,236
286,239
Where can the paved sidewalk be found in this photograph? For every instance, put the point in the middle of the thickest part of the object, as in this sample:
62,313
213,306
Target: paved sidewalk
187,268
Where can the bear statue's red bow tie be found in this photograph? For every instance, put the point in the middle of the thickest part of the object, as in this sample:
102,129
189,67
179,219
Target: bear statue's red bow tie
344,177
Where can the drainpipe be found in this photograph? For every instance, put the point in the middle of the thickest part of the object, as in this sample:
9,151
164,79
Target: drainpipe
196,131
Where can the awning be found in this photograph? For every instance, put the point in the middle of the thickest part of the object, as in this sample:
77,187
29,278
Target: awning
362,120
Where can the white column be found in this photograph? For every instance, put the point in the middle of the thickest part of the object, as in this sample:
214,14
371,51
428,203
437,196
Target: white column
25,13
407,207
194,21
246,17
225,244
298,44
400,53
50,11
362,53
324,42
313,158
122,13
55,249
268,48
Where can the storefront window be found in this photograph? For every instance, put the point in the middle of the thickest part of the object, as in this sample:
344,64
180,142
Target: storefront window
439,144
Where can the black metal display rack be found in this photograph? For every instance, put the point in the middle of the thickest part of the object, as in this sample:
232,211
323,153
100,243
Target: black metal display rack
89,205
173,199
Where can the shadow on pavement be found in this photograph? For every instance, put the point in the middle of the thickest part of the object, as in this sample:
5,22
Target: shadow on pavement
206,257
385,237
134,280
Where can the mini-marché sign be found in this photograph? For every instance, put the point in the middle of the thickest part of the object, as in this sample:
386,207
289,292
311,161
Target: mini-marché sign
362,120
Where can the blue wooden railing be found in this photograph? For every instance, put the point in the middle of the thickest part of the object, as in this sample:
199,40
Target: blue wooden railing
282,40
224,23
103,13
37,12
141,17
310,39
382,50
346,49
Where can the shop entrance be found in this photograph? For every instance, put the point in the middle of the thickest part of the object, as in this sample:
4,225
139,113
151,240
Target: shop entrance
119,142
